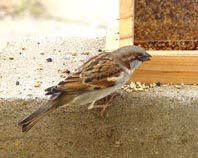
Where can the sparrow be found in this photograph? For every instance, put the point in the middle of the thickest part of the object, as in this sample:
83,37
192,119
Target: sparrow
96,79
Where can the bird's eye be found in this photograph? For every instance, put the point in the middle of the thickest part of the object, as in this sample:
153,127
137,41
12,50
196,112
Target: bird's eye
140,58
143,57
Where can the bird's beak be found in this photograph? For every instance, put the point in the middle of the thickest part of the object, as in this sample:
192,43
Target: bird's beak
146,56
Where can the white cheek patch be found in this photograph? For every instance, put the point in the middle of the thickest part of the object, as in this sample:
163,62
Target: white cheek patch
135,64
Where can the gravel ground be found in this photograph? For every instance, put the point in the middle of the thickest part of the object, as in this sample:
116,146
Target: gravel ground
25,68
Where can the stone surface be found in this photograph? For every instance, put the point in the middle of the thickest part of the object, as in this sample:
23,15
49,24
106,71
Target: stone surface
162,122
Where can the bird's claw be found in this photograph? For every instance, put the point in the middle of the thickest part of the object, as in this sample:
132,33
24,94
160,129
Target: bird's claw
105,102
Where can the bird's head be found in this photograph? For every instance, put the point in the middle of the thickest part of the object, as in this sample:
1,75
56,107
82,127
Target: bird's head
131,56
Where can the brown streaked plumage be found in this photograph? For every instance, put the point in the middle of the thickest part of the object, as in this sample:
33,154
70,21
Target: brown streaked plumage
95,79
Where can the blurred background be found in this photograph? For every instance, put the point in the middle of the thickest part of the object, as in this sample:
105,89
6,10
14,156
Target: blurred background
88,18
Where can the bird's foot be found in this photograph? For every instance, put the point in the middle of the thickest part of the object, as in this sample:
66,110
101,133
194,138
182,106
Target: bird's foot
105,102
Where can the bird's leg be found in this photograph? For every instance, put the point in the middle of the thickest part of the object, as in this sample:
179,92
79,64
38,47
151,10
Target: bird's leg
105,102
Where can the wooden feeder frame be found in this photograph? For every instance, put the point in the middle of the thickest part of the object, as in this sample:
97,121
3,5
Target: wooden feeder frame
166,66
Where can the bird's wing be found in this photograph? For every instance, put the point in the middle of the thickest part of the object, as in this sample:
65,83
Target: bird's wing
97,73
101,71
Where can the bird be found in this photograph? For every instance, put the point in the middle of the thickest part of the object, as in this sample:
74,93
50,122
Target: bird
94,80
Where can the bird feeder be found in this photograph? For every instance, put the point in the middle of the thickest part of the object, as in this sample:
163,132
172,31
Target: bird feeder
169,31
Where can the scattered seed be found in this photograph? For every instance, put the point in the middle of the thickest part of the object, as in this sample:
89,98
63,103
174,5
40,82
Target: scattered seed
11,58
37,84
74,54
140,89
17,83
63,76
158,84
138,84
137,87
23,48
85,53
39,68
132,85
178,86
49,59
42,53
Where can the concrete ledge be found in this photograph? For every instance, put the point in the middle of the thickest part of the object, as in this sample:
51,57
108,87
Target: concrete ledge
160,123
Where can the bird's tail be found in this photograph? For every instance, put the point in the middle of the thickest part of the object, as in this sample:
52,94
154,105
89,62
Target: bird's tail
28,122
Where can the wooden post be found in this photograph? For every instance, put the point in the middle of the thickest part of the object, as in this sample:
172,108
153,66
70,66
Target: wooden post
165,66
126,29
174,69
112,36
